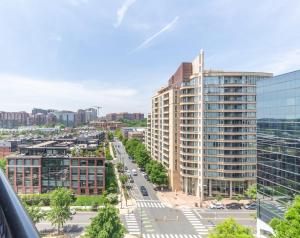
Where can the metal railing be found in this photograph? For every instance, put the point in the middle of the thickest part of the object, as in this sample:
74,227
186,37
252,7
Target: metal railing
14,221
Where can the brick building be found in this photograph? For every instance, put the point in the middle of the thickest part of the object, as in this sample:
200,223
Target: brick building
43,167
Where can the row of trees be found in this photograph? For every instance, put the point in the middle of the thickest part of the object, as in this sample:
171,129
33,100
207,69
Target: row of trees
155,170
60,202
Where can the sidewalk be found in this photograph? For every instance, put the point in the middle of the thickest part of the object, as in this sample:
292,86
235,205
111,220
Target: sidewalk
182,200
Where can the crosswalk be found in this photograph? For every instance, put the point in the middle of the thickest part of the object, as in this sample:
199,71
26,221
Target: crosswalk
171,236
150,203
195,221
132,224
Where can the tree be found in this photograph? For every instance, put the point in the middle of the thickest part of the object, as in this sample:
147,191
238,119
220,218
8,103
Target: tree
60,202
106,224
229,228
3,164
119,166
141,155
289,227
107,154
157,173
118,134
35,212
238,197
251,192
219,198
110,136
123,179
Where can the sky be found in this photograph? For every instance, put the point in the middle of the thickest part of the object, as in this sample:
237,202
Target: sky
71,54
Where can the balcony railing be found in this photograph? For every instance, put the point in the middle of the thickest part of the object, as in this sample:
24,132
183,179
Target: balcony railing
14,221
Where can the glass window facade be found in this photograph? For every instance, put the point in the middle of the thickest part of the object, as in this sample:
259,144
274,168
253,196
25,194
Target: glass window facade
278,144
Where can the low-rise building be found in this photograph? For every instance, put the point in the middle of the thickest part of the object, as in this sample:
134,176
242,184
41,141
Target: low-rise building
43,167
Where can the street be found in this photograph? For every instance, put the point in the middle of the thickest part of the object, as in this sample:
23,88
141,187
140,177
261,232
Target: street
153,218
73,227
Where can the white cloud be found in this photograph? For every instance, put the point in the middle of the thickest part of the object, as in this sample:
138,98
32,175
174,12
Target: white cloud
21,93
151,38
121,12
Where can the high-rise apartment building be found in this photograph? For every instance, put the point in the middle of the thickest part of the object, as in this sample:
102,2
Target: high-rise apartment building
278,146
205,127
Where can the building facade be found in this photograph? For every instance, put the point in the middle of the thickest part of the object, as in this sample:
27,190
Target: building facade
43,167
278,146
216,117
124,116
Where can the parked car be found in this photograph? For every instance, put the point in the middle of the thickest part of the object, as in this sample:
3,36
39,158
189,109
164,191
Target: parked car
128,173
130,179
234,205
143,191
72,211
126,168
251,206
146,177
216,205
134,173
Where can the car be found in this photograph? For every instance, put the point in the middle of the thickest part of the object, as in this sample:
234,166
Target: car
142,169
146,177
130,179
72,211
143,191
134,173
128,173
251,206
234,205
216,206
126,168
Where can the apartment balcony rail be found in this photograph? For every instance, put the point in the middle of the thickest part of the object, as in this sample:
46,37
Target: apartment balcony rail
14,221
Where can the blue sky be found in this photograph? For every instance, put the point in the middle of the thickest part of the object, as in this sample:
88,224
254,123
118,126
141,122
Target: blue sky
70,54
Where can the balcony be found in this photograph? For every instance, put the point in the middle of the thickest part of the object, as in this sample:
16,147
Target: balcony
14,221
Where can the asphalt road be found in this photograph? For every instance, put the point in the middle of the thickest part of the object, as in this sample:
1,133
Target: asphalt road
243,216
73,227
151,217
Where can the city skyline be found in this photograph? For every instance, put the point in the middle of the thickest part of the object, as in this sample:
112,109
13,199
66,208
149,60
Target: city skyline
69,48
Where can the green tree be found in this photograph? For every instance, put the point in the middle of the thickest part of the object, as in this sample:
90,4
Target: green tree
231,229
3,164
60,202
238,197
219,198
106,224
289,227
157,173
110,136
118,134
123,179
251,192
110,179
141,155
35,212
107,154
119,166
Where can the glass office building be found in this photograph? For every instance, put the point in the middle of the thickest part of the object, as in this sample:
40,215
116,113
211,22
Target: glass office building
278,145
